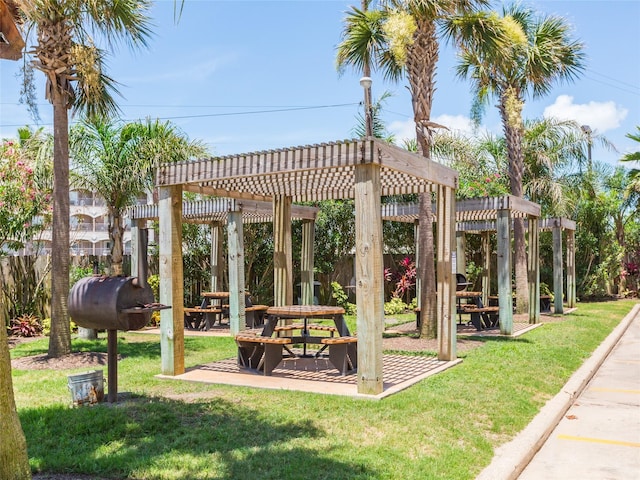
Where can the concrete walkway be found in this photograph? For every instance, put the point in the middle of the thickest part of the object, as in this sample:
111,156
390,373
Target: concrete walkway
591,429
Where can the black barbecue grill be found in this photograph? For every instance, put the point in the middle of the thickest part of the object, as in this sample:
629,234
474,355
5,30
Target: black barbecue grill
114,303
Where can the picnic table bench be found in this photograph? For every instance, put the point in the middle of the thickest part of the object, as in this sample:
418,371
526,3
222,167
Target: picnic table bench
482,317
260,353
201,318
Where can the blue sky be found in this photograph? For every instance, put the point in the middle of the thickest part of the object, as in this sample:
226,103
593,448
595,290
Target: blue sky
244,76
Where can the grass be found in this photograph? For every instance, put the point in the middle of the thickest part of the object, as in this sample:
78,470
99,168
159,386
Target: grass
445,427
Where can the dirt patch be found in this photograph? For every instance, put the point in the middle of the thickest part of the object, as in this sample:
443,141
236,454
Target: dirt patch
405,337
44,362
73,360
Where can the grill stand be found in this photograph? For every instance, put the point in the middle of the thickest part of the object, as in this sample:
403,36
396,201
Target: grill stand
112,365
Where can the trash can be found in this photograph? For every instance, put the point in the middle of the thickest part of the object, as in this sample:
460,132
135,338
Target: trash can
86,388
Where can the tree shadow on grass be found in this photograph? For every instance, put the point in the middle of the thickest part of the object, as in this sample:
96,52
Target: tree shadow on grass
161,438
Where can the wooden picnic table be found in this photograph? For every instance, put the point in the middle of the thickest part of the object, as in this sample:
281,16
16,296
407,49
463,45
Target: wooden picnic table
264,352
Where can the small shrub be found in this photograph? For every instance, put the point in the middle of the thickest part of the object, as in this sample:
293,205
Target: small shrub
395,306
154,321
154,283
342,299
26,326
46,326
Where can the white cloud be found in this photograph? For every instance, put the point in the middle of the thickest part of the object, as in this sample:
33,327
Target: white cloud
600,116
403,130
458,124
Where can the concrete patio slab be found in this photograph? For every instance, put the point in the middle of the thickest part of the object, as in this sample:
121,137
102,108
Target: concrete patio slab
317,375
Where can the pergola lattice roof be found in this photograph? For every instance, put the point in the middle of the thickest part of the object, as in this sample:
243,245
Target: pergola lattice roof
217,209
308,173
470,214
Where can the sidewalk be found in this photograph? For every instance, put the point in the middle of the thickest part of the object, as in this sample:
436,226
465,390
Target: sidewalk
591,429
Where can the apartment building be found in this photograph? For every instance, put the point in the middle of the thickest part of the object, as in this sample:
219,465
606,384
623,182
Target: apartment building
88,228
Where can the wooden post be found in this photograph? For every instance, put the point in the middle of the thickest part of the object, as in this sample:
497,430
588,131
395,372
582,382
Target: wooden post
282,256
416,241
306,263
216,257
533,267
485,239
446,278
171,279
571,268
505,294
461,259
557,270
135,252
235,242
369,278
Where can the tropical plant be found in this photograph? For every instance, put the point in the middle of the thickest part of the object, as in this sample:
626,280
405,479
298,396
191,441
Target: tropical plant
62,36
25,209
403,278
23,202
117,161
537,53
395,306
26,326
378,127
342,299
634,174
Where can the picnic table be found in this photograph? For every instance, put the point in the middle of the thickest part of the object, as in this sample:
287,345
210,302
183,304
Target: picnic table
204,316
265,351
481,316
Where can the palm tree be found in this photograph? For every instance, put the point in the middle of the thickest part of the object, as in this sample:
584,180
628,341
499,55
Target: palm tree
118,161
21,199
634,174
75,80
540,53
401,38
14,461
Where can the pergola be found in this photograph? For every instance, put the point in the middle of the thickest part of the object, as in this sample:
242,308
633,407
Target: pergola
215,213
484,215
364,170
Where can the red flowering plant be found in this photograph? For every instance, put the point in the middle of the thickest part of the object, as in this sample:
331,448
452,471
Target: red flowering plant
22,201
404,279
631,273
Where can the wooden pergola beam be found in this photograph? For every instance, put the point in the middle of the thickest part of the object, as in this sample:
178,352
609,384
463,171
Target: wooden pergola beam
13,49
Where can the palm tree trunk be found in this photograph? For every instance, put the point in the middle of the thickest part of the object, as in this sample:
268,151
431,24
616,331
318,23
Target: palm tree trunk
511,112
427,270
421,62
14,462
60,339
115,236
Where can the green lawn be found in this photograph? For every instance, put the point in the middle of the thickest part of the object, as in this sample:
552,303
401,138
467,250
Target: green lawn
445,427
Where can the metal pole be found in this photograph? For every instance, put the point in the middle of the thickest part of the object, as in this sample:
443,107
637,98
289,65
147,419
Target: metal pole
368,120
112,365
